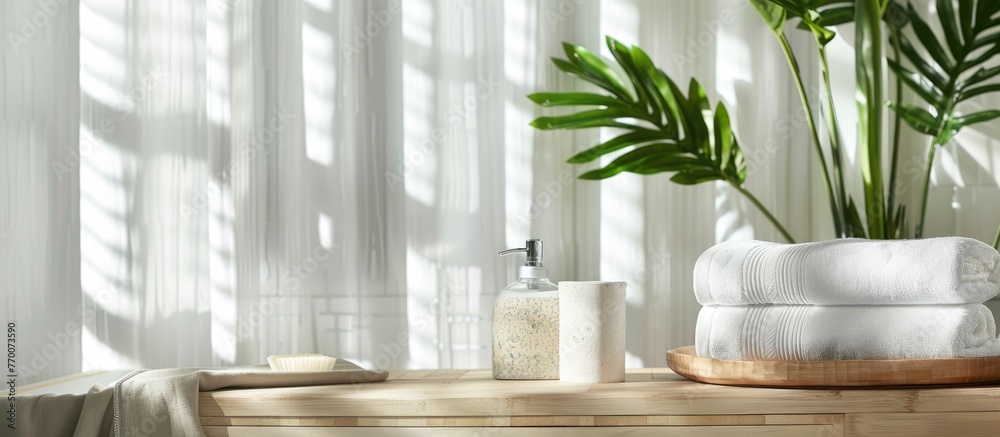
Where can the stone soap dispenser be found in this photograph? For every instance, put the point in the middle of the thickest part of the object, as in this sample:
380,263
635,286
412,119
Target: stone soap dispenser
526,322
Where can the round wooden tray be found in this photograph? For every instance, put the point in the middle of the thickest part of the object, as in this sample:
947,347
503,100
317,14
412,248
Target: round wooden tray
860,373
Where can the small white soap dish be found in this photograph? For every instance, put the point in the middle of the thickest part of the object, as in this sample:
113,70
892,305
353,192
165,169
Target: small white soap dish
301,363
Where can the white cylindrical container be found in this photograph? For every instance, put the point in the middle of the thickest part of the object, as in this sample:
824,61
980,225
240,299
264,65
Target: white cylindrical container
591,331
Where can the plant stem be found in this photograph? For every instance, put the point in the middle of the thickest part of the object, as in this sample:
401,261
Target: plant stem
793,65
929,165
996,240
896,128
927,185
868,68
760,206
833,126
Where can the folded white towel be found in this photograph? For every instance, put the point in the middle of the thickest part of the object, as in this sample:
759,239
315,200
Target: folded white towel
951,270
810,333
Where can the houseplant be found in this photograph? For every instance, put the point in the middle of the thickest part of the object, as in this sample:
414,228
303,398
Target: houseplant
667,130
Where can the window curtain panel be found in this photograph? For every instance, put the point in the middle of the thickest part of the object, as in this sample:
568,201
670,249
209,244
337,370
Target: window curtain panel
337,176
261,177
39,187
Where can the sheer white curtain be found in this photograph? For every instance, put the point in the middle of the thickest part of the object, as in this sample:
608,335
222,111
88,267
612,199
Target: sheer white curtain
337,176
39,186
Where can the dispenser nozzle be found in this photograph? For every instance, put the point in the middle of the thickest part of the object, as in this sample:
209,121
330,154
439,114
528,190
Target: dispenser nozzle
533,248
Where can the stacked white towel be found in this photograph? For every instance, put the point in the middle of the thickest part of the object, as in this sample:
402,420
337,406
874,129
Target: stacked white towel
847,299
950,270
872,332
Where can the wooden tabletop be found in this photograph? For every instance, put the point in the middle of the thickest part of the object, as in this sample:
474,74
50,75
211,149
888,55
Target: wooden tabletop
474,395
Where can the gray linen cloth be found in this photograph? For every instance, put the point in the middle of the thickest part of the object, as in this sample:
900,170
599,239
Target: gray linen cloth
159,403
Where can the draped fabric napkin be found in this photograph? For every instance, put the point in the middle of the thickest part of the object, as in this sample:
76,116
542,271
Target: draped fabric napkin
160,403
809,333
949,270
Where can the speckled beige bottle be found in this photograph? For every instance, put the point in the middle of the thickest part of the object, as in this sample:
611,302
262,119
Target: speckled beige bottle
526,322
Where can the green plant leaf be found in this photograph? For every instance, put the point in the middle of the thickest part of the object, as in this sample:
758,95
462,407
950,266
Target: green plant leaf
855,227
698,103
698,99
773,15
580,72
896,16
966,19
630,139
548,100
678,103
651,82
823,35
929,41
952,84
946,134
835,13
981,59
926,69
634,159
669,96
724,139
795,8
585,119
623,55
986,41
955,124
682,132
984,14
694,177
958,123
670,163
913,80
817,17
981,75
836,16
918,118
597,68
737,169
946,13
968,94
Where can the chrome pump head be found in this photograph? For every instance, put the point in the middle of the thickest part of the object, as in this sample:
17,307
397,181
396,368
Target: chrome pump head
533,248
